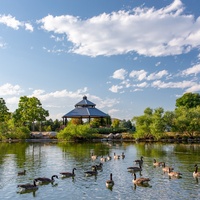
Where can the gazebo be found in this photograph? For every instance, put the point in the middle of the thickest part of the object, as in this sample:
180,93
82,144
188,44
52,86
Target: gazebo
84,109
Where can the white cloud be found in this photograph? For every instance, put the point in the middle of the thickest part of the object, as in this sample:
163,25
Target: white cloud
9,89
142,85
115,88
120,74
103,103
2,45
12,100
192,70
164,31
194,88
28,27
60,101
182,85
40,94
157,64
12,22
112,111
157,75
140,75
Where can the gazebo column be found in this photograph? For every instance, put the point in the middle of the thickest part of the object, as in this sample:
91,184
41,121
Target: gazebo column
63,121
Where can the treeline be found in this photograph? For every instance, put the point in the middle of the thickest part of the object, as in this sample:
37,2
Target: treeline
184,121
29,116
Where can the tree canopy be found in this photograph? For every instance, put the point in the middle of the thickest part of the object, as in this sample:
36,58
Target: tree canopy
30,110
4,114
188,100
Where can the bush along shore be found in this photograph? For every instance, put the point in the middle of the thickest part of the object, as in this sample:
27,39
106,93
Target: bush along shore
99,137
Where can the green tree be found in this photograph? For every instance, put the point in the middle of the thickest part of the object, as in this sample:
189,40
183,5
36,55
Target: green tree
115,123
158,125
97,122
151,124
30,111
4,114
169,117
126,124
142,124
187,120
188,100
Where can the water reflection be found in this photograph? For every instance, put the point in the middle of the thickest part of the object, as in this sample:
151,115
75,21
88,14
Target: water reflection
45,159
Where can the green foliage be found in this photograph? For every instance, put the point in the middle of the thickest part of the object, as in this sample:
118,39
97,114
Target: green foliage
115,123
29,110
4,114
76,121
188,100
187,120
151,124
126,124
9,130
76,132
169,117
98,122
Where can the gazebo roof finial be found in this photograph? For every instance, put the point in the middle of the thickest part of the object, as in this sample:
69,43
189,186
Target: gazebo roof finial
85,97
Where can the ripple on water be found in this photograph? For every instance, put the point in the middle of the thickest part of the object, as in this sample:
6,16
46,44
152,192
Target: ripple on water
46,160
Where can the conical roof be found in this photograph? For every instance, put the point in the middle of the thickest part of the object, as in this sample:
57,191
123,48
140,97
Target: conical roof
85,109
85,103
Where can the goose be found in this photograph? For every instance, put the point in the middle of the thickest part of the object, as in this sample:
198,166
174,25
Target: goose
157,164
174,174
166,168
109,157
68,174
123,155
116,156
28,187
91,173
22,173
140,181
139,161
103,159
94,157
110,183
44,180
196,174
135,169
99,167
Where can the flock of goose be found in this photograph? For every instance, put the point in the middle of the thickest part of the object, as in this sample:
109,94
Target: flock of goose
109,183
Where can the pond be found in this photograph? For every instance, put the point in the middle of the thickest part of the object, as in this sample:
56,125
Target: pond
47,159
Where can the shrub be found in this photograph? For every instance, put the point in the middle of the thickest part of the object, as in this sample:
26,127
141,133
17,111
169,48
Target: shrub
76,132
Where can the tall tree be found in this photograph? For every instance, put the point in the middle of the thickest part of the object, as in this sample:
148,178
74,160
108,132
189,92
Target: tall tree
4,114
158,125
30,110
188,100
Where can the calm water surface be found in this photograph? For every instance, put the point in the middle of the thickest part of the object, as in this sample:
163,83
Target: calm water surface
47,159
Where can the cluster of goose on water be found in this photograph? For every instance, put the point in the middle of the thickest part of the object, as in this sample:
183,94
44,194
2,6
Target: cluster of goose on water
94,171
109,183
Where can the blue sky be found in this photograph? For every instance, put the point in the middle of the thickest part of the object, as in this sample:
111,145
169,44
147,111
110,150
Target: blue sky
124,55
